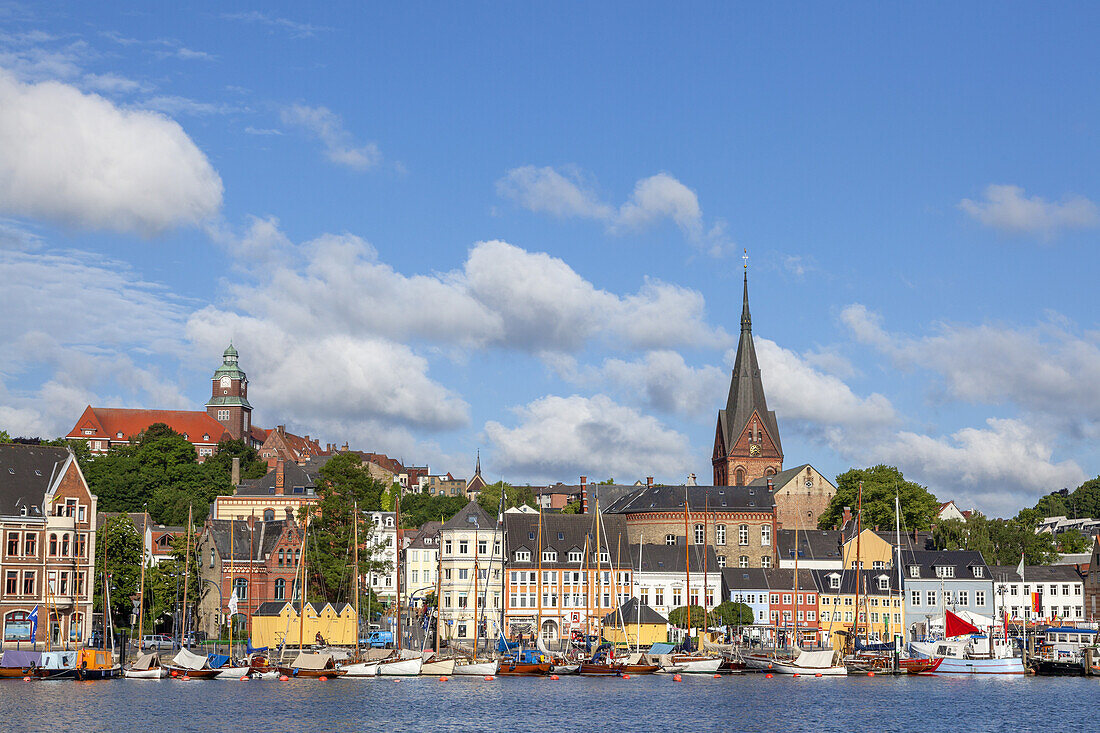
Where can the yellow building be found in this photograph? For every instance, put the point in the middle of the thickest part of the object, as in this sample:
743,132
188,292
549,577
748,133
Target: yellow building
875,552
879,604
651,628
277,621
282,492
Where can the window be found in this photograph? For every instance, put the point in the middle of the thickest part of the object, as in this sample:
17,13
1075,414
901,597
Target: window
700,535
1053,589
979,571
414,576
945,571
914,571
605,557
743,534
834,581
53,545
883,583
765,534
280,589
447,547
643,596
676,596
269,515
64,545
17,626
786,599
211,557
29,545
721,561
878,565
463,573
523,556
743,561
549,556
914,597
670,539
720,534
13,543
483,547
576,556
979,597
240,585
446,600
658,596
931,595
223,415
11,583
81,544
766,561
964,598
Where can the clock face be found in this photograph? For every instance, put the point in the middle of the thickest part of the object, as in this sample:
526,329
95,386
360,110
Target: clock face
225,382
754,450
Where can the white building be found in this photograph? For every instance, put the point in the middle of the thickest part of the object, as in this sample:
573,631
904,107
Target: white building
660,580
471,540
384,582
422,563
1061,590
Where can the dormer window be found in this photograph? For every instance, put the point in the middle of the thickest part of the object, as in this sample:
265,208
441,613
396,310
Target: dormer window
576,556
979,571
118,434
834,581
523,556
914,571
884,582
23,510
945,571
89,431
389,521
549,556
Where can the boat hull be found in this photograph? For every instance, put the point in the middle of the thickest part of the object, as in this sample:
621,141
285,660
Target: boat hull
400,668
312,674
440,667
781,668
195,674
477,669
232,673
361,670
1052,668
697,665
952,665
157,673
524,670
607,670
108,673
565,668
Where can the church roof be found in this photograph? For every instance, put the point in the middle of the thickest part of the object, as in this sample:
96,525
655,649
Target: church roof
746,389
109,422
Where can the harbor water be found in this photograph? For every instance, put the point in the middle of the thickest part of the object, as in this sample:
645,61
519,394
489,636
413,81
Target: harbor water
652,703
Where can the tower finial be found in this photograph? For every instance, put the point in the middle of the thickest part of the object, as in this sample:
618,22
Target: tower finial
477,467
746,319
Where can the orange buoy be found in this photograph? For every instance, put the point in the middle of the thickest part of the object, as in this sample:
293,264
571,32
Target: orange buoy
322,678
768,676
769,665
795,674
283,678
717,676
27,679
185,677
626,676
489,678
443,678
817,675
553,677
676,678
244,677
870,674
174,673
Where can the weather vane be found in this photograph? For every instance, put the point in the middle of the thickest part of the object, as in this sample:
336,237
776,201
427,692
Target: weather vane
745,257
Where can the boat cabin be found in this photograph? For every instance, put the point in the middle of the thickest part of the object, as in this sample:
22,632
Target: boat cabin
94,659
1066,642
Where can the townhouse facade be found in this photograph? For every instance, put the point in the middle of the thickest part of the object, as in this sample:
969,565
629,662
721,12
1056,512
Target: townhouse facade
935,580
383,580
1061,590
47,522
422,562
660,578
793,609
472,547
876,605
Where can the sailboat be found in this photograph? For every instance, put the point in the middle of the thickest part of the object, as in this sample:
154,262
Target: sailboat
695,662
358,668
474,666
399,665
99,664
146,666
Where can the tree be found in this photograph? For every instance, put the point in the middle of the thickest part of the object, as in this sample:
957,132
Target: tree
221,463
416,509
4,437
880,485
489,498
1001,541
683,618
1072,542
122,542
164,584
573,507
344,483
729,613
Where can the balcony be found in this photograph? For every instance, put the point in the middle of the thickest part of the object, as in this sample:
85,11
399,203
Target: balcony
53,522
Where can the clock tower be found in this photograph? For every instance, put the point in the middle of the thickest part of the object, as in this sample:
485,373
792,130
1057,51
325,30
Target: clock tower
228,403
746,440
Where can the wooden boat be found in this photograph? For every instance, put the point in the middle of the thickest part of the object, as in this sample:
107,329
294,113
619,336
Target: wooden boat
811,664
696,664
477,669
358,670
232,673
921,666
314,666
194,666
435,667
523,669
96,664
398,667
56,666
610,670
17,663
145,667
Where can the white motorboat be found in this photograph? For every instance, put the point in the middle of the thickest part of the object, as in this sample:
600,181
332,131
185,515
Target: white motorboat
822,663
690,664
478,669
271,674
971,655
400,667
145,667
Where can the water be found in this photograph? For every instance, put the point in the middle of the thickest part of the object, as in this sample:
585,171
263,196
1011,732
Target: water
657,703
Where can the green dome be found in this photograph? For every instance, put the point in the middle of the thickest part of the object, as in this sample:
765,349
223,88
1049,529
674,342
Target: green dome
230,354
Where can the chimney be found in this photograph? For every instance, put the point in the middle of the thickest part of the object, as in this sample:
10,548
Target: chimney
584,495
691,480
251,522
281,429
771,486
876,528
847,514
235,475
649,482
280,477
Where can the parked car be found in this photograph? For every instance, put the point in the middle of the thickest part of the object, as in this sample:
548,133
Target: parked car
378,640
159,642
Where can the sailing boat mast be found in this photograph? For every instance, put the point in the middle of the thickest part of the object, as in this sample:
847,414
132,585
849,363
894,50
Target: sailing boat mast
477,550
186,575
303,586
794,595
897,535
141,592
859,562
638,636
438,587
687,561
706,511
355,555
232,583
538,579
599,577
397,545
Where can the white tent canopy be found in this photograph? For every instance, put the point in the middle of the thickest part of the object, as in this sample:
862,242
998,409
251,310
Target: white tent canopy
187,660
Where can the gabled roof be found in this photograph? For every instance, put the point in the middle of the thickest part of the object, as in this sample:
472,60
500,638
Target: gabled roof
293,475
746,394
929,560
744,579
671,559
634,612
1037,573
262,538
428,530
565,532
780,579
26,473
781,478
813,544
471,516
716,498
109,422
869,581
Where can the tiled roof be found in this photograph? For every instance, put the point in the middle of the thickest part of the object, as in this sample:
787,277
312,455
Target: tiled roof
929,560
716,498
109,422
869,581
263,537
471,516
744,578
813,544
780,478
671,559
293,476
564,533
25,475
1037,573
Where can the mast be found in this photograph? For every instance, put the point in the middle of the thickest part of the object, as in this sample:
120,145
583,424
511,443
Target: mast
503,560
794,616
438,586
638,636
106,591
141,592
599,577
897,536
538,579
587,567
303,594
859,563
397,546
186,574
355,553
476,568
252,561
232,583
687,560
706,510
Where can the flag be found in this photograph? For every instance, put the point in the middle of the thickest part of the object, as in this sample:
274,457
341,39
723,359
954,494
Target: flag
233,604
1020,567
34,623
1036,602
957,626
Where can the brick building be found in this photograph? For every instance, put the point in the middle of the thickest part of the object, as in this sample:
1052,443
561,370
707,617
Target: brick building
289,447
739,521
47,522
280,492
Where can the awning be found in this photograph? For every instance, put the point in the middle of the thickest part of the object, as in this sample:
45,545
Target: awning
187,660
309,660
815,660
217,661
15,658
145,661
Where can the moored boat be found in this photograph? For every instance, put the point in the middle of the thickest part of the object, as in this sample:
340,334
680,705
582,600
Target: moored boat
314,666
193,666
400,667
695,664
435,666
145,667
96,664
477,669
965,656
57,666
824,663
17,663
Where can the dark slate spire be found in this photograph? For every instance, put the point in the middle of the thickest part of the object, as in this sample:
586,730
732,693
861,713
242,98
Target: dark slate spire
477,467
746,389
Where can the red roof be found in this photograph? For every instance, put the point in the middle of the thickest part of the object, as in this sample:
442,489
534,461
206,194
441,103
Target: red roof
109,422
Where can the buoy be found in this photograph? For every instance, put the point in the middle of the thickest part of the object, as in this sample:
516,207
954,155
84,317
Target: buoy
769,665
717,676
283,678
626,676
817,675
323,678
768,676
553,677
443,678
795,674
870,674
175,673
244,677
186,677
489,678
27,679
676,678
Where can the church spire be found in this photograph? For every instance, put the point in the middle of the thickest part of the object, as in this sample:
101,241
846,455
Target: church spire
477,467
746,319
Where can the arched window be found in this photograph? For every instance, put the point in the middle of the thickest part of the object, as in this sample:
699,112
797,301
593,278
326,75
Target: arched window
280,589
765,534
719,534
211,557
269,515
743,534
740,477
240,585
74,627
53,545
769,471
64,545
281,555
17,626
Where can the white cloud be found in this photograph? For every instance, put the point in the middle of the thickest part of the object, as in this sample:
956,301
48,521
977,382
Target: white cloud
77,159
113,84
1007,209
1001,468
292,27
565,193
262,131
340,147
175,105
559,438
663,381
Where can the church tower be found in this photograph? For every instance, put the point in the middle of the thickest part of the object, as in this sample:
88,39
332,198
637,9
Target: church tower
228,402
746,441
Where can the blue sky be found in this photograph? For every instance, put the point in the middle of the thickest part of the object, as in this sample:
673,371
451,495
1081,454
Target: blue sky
433,229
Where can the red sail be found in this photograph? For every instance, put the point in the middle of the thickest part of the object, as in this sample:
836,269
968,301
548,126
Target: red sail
956,626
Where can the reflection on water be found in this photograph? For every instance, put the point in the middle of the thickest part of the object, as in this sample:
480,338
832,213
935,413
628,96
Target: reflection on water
748,702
